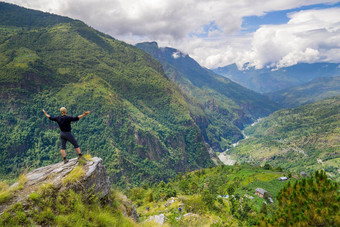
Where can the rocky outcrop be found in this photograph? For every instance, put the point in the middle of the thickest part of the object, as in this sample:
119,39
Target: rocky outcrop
160,219
93,180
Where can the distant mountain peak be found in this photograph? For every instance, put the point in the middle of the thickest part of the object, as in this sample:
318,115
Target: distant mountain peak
271,79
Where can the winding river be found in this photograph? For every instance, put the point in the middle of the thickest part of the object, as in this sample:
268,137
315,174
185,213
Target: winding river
226,158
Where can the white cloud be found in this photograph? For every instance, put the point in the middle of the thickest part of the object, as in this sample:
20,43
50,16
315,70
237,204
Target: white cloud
309,36
176,55
208,30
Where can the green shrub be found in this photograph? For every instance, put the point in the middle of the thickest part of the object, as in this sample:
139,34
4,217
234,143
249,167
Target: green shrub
5,196
3,186
45,217
34,196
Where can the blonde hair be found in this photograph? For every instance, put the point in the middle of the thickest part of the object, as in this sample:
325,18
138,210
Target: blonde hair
63,111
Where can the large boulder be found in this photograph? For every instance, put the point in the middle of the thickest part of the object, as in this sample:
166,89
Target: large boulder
93,180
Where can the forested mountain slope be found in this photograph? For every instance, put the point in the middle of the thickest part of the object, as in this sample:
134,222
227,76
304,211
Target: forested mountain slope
227,105
140,123
313,91
301,139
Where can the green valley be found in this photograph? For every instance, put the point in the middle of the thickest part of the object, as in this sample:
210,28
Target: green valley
301,139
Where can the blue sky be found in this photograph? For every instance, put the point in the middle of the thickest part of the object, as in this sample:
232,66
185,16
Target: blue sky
261,33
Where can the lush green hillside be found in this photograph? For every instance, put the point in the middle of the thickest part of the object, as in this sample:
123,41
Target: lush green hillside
225,196
228,106
300,139
270,80
140,123
217,196
313,91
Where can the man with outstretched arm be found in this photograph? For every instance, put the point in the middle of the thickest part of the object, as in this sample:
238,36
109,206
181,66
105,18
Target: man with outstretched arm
64,122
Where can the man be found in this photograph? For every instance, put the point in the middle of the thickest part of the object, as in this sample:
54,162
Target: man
64,123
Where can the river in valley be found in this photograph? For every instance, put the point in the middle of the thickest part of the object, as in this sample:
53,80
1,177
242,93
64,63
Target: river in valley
226,158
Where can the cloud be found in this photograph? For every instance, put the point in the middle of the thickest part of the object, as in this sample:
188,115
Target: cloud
309,36
208,30
176,55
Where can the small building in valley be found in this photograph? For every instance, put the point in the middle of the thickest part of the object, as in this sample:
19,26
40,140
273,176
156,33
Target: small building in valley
303,174
261,192
283,178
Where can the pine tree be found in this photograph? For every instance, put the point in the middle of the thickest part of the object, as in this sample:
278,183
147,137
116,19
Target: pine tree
311,202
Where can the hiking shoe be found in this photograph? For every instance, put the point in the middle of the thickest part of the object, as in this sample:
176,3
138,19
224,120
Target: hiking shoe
65,160
81,158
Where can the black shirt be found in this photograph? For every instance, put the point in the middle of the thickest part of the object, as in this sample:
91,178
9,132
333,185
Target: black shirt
64,122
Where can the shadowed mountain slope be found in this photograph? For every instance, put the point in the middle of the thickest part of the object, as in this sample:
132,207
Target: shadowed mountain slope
227,105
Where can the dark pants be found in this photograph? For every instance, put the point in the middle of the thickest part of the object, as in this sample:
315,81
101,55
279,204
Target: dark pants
67,136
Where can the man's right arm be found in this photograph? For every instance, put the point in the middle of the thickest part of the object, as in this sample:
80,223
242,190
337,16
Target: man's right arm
47,115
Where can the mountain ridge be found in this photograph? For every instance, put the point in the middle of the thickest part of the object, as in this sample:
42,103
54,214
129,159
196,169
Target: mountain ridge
315,90
226,105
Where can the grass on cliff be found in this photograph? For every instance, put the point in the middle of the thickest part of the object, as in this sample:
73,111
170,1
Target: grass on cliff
7,192
78,172
75,175
47,207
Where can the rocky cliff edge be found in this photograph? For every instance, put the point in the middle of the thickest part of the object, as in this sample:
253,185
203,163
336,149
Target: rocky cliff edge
92,179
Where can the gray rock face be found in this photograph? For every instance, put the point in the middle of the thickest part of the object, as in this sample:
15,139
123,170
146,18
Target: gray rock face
95,180
160,219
